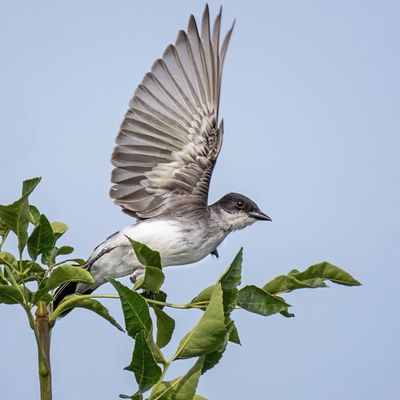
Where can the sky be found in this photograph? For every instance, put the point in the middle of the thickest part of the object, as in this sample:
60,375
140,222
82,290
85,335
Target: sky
310,101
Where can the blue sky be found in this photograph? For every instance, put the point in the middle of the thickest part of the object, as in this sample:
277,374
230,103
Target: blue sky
311,102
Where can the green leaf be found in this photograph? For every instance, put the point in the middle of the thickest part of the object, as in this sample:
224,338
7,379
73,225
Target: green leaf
77,301
9,260
29,185
182,388
160,296
41,241
157,354
59,228
230,280
31,271
62,274
234,334
165,327
143,364
209,332
79,261
153,279
145,255
3,280
4,229
325,270
312,277
16,217
136,396
64,250
257,300
212,359
34,215
198,397
287,314
287,283
204,295
135,308
10,295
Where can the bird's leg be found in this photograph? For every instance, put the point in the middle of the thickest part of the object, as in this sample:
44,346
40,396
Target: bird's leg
137,274
215,253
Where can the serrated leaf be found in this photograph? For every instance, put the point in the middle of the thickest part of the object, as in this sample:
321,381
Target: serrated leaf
59,228
76,301
165,327
143,364
62,274
29,185
135,308
209,332
41,241
182,388
257,300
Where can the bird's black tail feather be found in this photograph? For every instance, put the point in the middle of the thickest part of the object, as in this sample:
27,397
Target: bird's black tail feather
64,291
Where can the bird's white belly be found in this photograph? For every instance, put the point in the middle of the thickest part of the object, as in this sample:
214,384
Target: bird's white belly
177,244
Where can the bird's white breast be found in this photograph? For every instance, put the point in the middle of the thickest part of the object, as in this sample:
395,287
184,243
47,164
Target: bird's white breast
179,242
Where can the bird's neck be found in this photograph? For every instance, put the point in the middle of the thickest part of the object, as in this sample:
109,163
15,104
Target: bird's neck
226,221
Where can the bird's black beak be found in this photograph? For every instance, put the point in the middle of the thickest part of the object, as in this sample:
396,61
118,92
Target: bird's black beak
260,216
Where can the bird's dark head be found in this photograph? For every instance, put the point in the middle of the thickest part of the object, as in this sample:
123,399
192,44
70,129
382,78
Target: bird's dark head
238,211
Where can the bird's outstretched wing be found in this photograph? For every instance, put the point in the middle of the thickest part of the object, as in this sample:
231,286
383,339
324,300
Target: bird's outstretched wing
170,139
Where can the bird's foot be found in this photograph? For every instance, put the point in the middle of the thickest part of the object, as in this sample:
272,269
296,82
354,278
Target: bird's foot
137,274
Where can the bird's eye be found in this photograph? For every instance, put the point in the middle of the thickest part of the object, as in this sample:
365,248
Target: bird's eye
239,204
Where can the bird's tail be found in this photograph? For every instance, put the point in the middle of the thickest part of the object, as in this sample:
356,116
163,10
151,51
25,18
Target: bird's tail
65,290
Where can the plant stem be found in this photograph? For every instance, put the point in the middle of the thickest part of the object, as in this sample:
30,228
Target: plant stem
200,304
42,333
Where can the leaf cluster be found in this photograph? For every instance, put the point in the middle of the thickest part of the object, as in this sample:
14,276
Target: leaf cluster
41,264
208,340
30,279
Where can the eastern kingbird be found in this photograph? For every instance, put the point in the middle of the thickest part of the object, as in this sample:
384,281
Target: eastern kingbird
164,156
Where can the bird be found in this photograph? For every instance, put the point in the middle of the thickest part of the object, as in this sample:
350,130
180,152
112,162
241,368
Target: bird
163,159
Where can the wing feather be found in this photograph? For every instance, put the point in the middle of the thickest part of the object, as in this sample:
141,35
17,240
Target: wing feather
169,139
